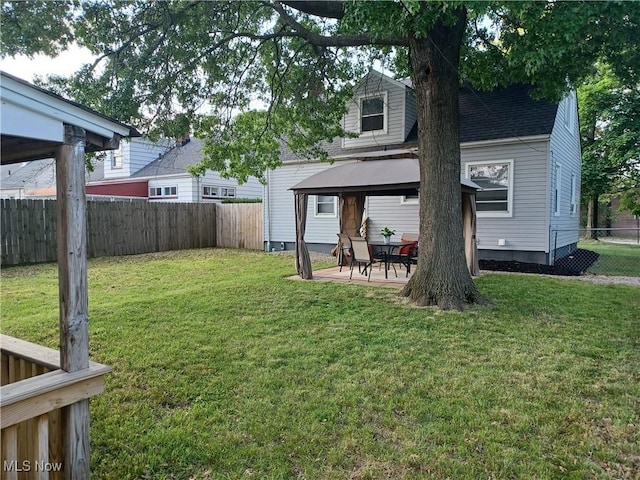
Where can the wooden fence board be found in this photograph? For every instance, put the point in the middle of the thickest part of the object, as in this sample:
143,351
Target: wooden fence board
124,228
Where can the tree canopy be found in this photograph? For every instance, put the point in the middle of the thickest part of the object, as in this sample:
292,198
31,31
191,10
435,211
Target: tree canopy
610,134
159,62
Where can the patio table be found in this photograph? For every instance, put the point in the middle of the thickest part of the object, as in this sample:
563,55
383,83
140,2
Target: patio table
387,250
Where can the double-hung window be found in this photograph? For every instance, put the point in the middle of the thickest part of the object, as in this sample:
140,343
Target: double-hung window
372,113
116,160
573,207
557,191
163,192
495,179
325,206
216,191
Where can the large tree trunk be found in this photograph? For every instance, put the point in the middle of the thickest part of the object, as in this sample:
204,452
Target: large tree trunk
441,277
592,217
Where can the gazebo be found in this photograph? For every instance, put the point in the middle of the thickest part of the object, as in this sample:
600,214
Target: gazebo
45,393
353,182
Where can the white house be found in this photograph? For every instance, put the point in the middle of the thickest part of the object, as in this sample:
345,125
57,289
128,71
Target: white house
139,169
158,171
524,153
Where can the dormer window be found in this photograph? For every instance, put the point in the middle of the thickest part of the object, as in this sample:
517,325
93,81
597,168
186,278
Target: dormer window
372,113
116,160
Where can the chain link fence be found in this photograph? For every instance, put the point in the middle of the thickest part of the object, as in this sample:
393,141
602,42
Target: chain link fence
603,251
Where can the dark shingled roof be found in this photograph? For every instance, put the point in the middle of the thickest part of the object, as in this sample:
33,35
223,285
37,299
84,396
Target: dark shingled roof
503,113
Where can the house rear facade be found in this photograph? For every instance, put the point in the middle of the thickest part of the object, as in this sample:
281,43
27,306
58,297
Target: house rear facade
523,153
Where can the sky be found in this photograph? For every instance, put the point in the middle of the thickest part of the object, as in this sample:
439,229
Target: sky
65,64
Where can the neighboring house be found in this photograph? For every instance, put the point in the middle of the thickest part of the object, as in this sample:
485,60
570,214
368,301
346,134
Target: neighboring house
139,169
28,179
524,153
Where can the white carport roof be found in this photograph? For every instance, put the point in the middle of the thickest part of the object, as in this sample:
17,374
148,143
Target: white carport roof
32,122
399,176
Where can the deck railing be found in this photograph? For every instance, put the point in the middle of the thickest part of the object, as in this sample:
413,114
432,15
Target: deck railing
34,392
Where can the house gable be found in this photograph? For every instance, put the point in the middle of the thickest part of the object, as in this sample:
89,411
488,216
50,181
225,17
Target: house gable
377,112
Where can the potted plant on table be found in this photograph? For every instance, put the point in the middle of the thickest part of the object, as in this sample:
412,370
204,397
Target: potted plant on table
386,232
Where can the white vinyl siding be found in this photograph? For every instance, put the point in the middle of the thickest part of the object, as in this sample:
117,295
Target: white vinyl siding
394,131
565,151
133,155
411,111
280,211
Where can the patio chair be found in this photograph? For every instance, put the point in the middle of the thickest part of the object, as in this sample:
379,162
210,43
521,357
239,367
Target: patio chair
344,250
361,256
406,254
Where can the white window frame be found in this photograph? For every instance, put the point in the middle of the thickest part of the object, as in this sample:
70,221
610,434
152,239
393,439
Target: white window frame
317,214
222,191
404,200
569,112
163,191
509,162
210,195
385,114
573,206
116,160
557,191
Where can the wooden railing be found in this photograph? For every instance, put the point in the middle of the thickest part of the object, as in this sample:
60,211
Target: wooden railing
33,397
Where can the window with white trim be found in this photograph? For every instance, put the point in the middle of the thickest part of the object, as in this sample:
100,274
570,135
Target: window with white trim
569,111
573,206
216,191
373,115
557,191
116,160
495,179
163,192
410,199
326,206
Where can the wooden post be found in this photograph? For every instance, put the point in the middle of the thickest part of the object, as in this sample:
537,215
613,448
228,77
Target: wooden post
72,281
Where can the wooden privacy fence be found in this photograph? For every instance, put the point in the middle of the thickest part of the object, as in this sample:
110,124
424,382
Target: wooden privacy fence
239,225
127,228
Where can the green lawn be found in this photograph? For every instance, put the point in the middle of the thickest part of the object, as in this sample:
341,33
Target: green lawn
224,369
615,258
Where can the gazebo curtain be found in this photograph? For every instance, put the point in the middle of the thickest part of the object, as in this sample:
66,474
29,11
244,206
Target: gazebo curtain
351,211
469,221
303,261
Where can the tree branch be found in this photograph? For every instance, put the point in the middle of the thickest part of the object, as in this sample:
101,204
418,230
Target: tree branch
327,9
334,41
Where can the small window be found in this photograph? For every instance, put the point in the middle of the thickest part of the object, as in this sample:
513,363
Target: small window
209,191
494,199
573,208
116,160
215,191
325,206
163,192
410,199
568,112
372,114
557,192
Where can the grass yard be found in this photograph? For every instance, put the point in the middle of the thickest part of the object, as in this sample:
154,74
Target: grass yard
223,369
615,258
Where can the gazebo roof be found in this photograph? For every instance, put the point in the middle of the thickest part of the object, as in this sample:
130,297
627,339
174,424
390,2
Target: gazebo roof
398,176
